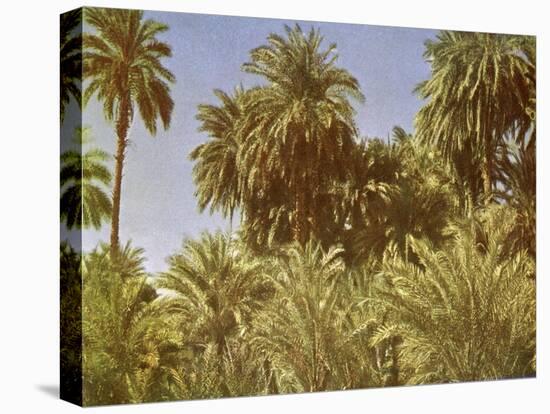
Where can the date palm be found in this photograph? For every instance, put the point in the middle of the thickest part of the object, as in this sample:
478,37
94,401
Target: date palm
420,204
70,59
477,93
303,331
517,173
359,201
84,202
216,288
216,173
467,311
122,62
400,189
129,340
300,127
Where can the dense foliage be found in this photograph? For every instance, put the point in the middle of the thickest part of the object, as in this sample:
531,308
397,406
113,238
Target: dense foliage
357,262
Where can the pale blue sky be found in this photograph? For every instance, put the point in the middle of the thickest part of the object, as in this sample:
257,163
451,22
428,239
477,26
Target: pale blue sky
158,207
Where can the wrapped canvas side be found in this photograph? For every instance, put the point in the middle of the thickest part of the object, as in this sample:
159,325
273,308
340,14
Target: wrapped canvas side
71,206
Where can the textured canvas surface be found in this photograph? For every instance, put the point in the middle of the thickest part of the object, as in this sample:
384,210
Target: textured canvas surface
261,206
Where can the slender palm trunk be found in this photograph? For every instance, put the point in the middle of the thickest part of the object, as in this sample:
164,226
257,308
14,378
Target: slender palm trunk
300,188
487,169
122,131
231,223
392,376
272,387
300,222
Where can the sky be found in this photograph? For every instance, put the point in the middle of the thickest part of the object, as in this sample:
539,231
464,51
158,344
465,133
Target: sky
158,208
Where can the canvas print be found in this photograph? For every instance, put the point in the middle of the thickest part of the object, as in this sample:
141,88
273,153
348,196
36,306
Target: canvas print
260,206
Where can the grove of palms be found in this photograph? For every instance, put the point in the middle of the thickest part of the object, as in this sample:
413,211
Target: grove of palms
353,262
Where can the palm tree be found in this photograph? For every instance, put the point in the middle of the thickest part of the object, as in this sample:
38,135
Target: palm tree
216,288
237,373
361,198
517,173
399,189
216,173
84,202
466,311
477,93
421,202
130,342
304,332
70,59
526,128
299,129
122,61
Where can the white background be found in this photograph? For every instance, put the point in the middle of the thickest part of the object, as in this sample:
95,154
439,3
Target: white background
29,240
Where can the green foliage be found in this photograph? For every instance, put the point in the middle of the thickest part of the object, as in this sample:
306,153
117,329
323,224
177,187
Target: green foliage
216,287
480,90
84,176
358,263
276,147
237,372
466,311
299,332
518,177
216,171
70,64
405,189
129,338
305,332
70,324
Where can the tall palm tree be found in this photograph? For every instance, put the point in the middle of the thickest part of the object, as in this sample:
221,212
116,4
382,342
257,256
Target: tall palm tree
477,93
216,173
299,128
84,202
71,59
122,61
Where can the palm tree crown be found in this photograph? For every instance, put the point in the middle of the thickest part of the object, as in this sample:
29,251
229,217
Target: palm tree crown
216,283
216,171
70,59
84,202
299,129
477,93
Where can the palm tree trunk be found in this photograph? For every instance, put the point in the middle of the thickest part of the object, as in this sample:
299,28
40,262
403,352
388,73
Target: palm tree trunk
300,211
300,188
122,131
392,377
231,223
486,170
487,167
271,387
